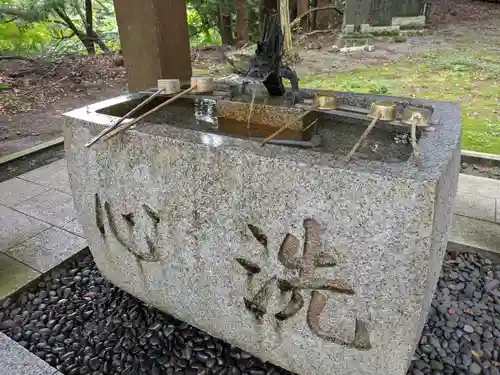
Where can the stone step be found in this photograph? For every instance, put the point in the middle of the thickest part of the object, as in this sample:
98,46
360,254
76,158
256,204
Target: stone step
475,234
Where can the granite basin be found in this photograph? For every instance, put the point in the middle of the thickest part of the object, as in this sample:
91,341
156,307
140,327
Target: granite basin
317,266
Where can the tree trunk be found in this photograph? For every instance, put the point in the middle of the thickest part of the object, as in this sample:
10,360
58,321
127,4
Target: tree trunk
312,19
71,25
285,25
241,22
97,39
89,29
225,27
302,7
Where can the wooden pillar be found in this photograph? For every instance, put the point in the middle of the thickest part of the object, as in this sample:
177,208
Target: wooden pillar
154,39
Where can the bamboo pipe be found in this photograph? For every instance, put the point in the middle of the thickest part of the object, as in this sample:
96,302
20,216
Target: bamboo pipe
288,124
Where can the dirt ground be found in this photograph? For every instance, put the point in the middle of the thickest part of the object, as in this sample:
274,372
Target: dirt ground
31,110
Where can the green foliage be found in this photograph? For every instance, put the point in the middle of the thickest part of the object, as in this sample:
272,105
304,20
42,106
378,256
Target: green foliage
36,26
53,26
18,39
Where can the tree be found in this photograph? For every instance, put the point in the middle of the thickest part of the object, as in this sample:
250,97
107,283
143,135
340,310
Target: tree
225,24
89,27
73,16
241,22
285,25
302,7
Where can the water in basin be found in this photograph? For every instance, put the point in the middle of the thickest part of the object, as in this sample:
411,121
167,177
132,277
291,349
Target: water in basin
338,135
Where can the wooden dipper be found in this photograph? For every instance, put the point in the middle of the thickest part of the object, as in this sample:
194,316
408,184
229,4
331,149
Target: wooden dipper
385,111
198,85
165,86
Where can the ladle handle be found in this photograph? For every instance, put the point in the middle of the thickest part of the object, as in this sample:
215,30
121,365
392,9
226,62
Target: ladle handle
115,125
362,138
144,115
287,125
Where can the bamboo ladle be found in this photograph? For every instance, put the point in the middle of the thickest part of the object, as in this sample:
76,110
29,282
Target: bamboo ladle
165,86
416,117
385,111
198,85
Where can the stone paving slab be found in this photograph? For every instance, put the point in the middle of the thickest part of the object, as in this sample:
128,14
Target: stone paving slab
480,186
15,360
47,249
16,227
52,206
16,191
476,206
475,233
478,197
54,176
14,275
74,227
38,226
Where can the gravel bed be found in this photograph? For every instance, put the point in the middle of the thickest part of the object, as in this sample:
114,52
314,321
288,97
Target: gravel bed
81,324
462,333
481,170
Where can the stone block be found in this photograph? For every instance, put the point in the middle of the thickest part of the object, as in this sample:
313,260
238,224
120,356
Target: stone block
15,191
348,29
476,206
18,361
47,249
16,227
409,22
14,275
54,175
314,265
52,206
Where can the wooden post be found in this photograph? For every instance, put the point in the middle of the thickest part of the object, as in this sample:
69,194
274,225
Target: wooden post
154,40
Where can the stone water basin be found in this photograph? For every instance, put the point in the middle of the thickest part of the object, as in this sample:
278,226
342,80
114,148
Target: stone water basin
331,133
317,266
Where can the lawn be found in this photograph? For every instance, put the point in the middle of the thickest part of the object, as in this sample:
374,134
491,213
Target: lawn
469,77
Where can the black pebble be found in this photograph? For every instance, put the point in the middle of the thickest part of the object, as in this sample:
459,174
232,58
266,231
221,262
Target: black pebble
109,332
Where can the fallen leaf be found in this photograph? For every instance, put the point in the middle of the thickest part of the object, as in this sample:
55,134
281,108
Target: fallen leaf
475,354
468,311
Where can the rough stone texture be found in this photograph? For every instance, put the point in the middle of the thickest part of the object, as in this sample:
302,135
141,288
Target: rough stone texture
384,16
356,12
476,206
166,212
14,275
18,361
475,234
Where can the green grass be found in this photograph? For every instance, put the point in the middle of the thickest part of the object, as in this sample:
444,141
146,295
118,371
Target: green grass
469,77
